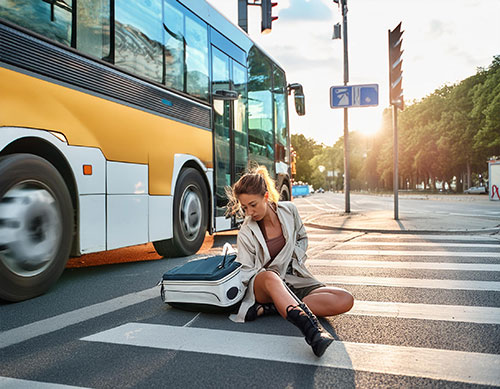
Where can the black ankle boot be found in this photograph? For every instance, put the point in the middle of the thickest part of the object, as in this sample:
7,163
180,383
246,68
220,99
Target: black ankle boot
267,309
316,336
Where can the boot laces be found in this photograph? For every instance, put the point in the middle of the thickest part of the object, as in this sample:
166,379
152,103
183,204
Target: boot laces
312,318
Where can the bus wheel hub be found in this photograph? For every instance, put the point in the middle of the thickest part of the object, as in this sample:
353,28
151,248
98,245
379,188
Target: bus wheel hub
30,229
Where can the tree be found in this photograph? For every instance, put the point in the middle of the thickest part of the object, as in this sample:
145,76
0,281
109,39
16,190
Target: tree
448,135
305,149
486,111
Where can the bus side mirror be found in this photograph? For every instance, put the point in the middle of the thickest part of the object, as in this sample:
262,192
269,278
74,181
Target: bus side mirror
300,100
300,104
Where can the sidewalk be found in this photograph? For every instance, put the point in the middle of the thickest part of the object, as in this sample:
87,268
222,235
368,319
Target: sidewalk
410,223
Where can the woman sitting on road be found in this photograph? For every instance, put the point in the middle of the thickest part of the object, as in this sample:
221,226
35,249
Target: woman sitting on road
272,245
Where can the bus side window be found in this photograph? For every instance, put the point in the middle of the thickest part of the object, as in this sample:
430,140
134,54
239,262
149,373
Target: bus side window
93,28
196,58
280,109
139,38
186,51
174,46
53,20
260,109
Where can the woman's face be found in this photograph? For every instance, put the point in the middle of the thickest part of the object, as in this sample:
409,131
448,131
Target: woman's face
254,205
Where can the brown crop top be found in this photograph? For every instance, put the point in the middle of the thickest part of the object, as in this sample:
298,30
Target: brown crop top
274,245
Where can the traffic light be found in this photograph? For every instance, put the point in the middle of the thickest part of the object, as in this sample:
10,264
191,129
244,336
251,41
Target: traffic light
395,67
267,15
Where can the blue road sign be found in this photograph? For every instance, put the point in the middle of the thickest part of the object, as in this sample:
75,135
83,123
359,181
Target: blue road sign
354,96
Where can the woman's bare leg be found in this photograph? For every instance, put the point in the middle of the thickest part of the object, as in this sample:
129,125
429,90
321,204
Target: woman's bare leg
269,288
329,301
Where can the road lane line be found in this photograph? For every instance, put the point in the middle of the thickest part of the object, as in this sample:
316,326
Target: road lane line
423,244
51,324
404,265
455,313
412,282
405,237
320,206
400,253
459,366
15,383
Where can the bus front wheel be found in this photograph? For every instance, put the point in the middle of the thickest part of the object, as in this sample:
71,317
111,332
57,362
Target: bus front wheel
36,226
190,216
285,193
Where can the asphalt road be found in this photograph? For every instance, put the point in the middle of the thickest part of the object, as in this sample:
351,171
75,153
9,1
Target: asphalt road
427,314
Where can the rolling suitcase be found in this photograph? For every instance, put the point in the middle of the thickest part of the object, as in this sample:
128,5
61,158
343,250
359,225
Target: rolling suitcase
211,284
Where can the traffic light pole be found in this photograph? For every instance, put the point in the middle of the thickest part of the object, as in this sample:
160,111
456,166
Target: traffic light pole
395,156
243,15
347,175
266,10
396,99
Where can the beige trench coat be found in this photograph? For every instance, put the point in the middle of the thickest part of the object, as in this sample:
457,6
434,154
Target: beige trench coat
253,255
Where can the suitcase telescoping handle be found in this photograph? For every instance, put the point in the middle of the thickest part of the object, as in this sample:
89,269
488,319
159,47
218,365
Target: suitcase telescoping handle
223,263
225,250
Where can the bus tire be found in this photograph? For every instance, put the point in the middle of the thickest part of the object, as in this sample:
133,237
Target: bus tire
285,193
36,226
190,216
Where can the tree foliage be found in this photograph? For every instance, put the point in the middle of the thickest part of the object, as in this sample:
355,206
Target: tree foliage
446,137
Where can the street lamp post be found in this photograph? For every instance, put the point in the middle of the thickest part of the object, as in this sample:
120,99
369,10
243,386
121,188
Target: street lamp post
347,179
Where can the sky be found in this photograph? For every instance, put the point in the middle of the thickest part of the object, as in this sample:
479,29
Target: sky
444,42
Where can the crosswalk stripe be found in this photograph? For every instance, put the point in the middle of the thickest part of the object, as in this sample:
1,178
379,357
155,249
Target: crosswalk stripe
15,383
400,253
423,244
411,282
455,313
404,265
51,324
438,237
458,366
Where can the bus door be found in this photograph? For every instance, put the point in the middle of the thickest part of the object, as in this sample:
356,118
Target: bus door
229,88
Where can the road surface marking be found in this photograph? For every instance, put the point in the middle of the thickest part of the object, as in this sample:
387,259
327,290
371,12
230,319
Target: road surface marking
456,313
51,324
412,283
391,237
309,203
430,244
460,366
14,383
400,253
320,206
404,265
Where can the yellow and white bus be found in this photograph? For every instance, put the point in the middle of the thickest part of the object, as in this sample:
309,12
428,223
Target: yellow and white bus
121,122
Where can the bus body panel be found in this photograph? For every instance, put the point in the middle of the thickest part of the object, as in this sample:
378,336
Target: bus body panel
114,207
127,204
160,217
88,120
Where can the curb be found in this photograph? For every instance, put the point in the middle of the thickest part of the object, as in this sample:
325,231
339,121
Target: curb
491,231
